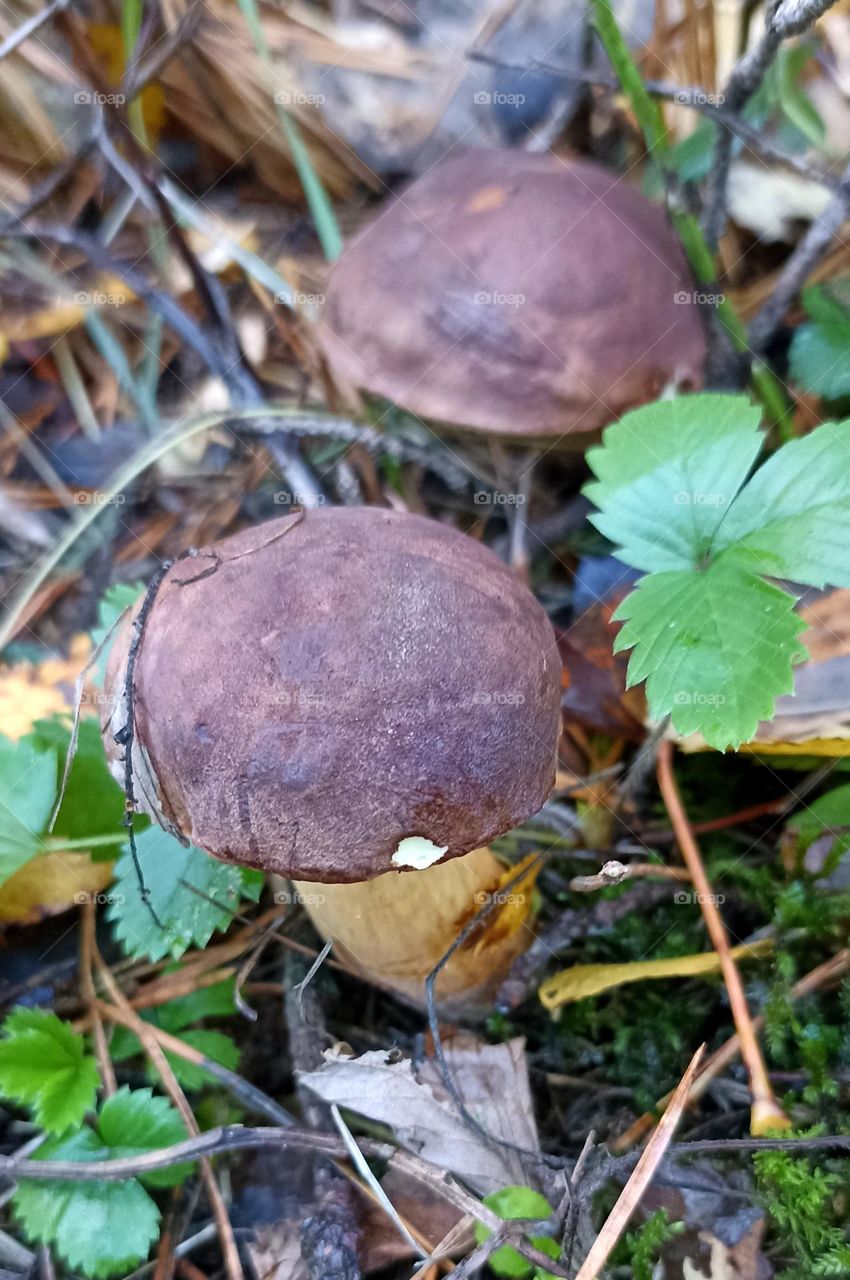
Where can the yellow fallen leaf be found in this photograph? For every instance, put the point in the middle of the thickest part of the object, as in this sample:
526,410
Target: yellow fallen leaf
64,311
33,691
833,748
585,980
50,882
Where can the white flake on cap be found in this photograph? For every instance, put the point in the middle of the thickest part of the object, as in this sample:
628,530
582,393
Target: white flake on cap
418,852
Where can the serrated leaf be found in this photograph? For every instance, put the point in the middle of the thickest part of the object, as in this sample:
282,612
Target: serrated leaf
667,474
717,669
820,358
44,1065
792,520
192,894
103,1228
133,1121
28,780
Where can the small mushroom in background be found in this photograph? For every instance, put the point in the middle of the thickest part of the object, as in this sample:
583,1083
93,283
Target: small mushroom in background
515,293
358,700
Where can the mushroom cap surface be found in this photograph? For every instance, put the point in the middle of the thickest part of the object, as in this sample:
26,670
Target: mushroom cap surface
311,692
515,293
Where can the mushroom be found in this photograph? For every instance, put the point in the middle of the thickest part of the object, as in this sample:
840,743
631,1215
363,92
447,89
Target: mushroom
516,293
359,700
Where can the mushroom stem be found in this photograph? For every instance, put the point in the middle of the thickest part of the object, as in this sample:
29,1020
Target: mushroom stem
395,929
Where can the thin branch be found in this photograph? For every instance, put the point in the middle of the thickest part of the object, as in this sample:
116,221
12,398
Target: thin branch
172,1088
87,952
28,28
766,1112
830,971
782,21
801,264
248,1094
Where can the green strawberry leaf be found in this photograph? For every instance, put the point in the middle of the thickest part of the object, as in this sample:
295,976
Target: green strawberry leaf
715,648
192,894
28,781
103,1228
44,1065
792,520
714,641
667,474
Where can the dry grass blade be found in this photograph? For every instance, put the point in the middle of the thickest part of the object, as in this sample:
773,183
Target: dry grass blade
643,1174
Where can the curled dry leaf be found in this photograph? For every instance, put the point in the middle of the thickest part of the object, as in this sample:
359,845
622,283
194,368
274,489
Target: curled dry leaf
493,1081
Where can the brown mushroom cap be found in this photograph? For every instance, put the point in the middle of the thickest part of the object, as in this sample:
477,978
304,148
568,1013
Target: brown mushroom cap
311,692
515,293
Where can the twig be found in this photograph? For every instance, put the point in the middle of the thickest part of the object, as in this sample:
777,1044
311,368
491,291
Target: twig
211,1143
683,95
248,1094
801,264
829,971
641,1177
782,20
766,1112
571,925
169,1081
87,950
30,26
329,1234
434,1022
